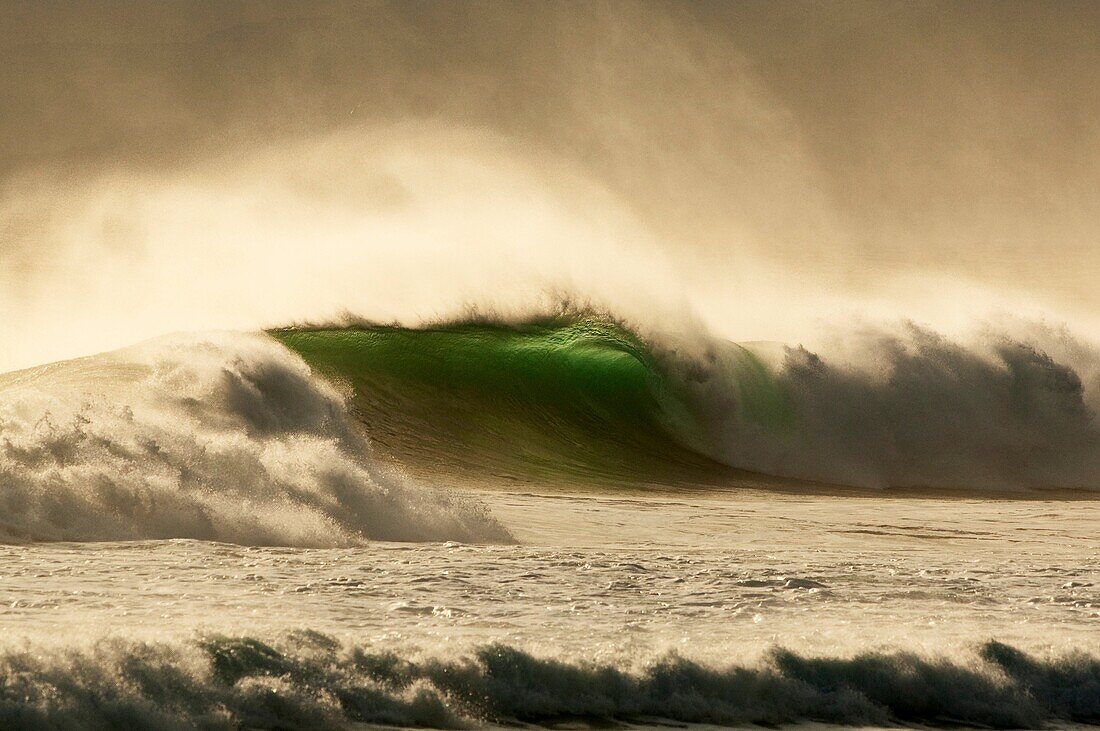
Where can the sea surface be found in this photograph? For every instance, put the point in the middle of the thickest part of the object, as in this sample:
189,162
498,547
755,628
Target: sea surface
375,526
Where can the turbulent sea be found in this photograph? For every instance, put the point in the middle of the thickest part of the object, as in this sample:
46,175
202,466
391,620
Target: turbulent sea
560,522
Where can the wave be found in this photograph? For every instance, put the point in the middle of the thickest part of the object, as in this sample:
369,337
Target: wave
297,437
309,680
218,437
580,395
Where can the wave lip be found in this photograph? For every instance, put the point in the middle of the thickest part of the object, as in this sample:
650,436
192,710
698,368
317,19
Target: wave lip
309,680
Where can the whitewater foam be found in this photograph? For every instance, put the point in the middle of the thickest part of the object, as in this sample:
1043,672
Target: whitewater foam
903,407
219,437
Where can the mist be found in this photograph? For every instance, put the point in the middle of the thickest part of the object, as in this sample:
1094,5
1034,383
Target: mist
753,169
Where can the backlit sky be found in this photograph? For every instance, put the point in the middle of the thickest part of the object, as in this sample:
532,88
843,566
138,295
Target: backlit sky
184,165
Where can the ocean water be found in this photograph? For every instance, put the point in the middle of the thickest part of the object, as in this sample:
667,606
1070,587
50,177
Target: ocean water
552,523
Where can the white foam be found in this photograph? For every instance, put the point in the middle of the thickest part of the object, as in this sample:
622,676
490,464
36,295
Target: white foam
217,437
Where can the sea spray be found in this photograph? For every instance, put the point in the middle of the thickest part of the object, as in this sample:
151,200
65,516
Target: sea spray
219,437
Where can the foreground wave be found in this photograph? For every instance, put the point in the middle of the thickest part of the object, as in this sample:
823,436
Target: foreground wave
309,680
580,396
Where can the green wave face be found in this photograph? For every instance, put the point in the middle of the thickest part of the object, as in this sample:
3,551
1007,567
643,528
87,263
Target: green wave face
543,400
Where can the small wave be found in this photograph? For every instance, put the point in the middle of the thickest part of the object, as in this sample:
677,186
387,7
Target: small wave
307,681
220,437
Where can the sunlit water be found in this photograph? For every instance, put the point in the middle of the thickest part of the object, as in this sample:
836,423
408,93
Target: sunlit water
712,575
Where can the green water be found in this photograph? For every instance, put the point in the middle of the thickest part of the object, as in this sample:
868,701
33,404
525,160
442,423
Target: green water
584,398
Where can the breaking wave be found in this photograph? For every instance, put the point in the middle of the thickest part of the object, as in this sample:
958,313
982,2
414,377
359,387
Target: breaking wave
310,681
221,437
293,437
582,396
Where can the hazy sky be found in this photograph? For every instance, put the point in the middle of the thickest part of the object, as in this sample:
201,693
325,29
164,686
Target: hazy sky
167,165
